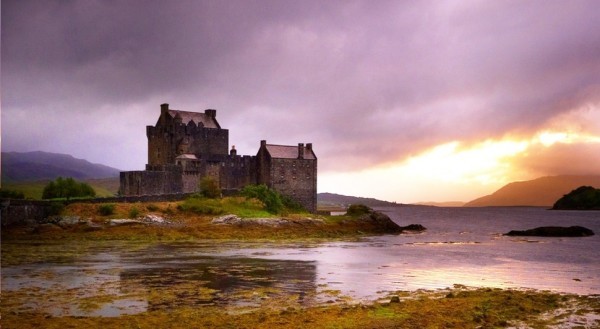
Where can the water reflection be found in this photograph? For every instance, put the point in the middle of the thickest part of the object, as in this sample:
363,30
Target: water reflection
119,282
221,280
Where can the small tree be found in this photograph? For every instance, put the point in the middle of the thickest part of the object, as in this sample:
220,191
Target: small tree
209,188
67,188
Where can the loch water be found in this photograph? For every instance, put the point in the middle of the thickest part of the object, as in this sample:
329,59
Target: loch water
463,246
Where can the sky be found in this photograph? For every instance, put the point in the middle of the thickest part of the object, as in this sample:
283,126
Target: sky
404,101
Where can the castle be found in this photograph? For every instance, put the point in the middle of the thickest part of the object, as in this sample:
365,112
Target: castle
184,147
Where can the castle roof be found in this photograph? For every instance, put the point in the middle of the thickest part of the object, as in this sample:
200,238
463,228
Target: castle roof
289,152
186,117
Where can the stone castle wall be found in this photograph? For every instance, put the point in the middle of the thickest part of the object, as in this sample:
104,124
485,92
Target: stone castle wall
296,178
151,182
231,172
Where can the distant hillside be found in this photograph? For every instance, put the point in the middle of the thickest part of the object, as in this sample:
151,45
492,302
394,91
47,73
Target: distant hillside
544,191
36,166
331,199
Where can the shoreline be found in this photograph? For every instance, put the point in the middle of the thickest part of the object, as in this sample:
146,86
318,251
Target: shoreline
172,221
459,306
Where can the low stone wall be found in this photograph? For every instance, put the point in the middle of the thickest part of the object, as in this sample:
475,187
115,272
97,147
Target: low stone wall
14,212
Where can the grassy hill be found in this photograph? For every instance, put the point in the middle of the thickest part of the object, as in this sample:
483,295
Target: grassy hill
29,172
38,166
544,191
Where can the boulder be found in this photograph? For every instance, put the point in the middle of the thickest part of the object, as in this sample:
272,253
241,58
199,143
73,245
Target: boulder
554,231
124,221
155,220
227,220
380,222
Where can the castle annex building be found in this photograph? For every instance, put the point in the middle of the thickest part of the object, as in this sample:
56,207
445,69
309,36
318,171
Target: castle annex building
184,147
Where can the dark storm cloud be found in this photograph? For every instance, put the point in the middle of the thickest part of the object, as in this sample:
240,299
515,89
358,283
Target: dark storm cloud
367,82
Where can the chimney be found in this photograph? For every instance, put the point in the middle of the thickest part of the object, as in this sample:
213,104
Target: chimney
164,108
309,146
233,151
263,143
300,150
211,113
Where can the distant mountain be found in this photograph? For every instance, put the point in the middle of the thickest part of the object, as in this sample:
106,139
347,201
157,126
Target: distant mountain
35,166
544,191
331,199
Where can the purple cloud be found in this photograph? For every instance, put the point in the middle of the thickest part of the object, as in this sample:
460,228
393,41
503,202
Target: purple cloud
366,82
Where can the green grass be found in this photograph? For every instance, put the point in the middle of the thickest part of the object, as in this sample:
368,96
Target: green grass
242,207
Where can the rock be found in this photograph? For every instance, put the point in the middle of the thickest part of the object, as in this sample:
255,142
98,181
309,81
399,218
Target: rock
115,222
227,220
149,219
414,227
155,219
554,231
270,222
395,299
64,221
380,222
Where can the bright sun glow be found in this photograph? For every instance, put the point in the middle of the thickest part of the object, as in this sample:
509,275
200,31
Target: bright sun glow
482,162
454,168
548,138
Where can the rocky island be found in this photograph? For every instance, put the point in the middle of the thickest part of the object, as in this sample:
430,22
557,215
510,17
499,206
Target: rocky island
554,231
582,198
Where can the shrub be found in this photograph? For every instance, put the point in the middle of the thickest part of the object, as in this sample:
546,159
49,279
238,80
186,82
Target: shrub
209,188
152,207
106,209
134,212
271,199
357,210
67,188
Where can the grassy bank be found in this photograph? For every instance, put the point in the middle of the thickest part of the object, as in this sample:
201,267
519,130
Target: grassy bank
192,219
